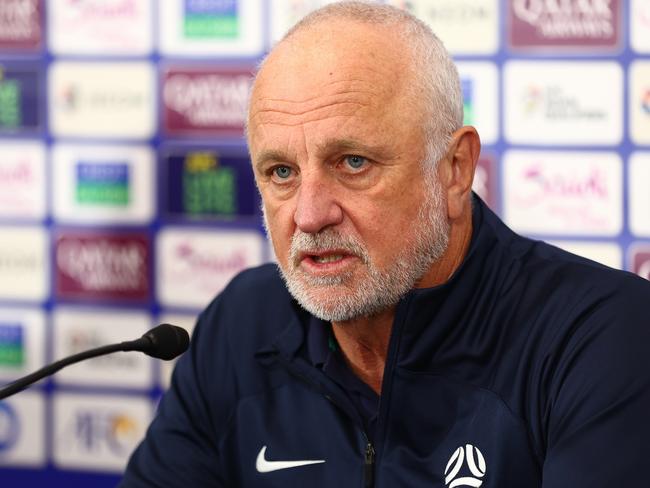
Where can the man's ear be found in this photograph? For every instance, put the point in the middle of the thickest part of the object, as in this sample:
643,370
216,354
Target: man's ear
458,169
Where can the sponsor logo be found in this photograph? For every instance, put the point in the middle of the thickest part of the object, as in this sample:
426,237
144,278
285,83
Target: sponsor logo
485,181
22,430
109,184
9,427
466,467
211,28
19,98
452,19
645,101
102,184
479,82
22,180
94,432
212,19
12,347
640,25
77,330
102,266
202,184
262,465
555,103
467,85
20,24
205,101
562,23
115,431
640,261
23,272
84,338
22,342
548,192
638,195
564,104
100,27
194,265
104,100
639,104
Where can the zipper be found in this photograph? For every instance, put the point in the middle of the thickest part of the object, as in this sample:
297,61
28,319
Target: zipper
369,466
369,453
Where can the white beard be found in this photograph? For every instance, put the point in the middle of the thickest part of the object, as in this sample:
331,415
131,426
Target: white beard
342,297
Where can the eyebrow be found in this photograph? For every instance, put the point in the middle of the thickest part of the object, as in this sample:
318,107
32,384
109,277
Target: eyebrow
322,150
348,145
267,156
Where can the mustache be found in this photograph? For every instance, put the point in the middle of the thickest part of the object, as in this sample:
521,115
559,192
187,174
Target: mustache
327,239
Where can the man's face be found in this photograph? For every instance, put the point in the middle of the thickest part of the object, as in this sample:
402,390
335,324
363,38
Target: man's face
337,150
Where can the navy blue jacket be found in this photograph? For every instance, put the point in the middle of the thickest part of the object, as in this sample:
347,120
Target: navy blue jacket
529,368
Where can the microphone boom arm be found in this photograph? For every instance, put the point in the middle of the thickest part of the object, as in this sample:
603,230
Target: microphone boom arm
163,342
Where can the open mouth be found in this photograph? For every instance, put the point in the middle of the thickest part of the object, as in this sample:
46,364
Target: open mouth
328,258
325,260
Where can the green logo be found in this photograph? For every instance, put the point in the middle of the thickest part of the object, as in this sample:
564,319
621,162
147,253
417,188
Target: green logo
211,19
103,183
11,345
10,115
208,189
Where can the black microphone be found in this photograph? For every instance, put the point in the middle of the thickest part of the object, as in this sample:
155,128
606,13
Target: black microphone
162,342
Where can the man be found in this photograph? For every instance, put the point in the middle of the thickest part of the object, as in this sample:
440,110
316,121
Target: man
418,342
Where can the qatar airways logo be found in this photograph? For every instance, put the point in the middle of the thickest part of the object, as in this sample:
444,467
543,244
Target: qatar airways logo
205,101
458,11
108,267
563,193
20,24
565,22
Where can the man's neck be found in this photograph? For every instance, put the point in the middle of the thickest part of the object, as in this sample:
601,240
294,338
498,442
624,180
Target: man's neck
364,341
364,344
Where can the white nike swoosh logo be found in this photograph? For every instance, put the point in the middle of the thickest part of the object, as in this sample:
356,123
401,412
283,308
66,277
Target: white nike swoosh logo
264,466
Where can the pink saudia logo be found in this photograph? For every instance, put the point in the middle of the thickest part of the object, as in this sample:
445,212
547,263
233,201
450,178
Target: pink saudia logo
540,184
203,262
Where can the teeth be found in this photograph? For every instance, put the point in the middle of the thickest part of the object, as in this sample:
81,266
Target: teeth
328,259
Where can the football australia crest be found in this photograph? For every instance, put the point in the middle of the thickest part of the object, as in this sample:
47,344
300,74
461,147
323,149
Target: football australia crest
466,467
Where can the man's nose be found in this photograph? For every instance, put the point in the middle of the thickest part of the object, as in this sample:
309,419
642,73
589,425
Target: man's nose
316,206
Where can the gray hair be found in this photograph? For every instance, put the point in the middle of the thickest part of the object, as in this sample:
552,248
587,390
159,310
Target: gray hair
437,85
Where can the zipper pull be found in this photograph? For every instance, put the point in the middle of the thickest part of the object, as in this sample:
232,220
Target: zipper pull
369,466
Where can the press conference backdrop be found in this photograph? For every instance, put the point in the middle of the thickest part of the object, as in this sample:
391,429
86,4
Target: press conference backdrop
126,197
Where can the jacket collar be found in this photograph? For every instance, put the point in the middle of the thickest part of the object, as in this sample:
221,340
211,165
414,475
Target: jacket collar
422,306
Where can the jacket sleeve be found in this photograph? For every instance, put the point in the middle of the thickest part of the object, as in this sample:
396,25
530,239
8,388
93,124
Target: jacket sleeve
598,424
181,445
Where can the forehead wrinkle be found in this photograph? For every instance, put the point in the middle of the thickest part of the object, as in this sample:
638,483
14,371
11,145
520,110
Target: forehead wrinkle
351,86
284,118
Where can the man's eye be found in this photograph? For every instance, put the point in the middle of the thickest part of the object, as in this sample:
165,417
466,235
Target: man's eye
282,172
355,162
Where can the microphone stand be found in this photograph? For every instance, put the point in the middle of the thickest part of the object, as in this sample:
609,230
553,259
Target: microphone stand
165,341
24,382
